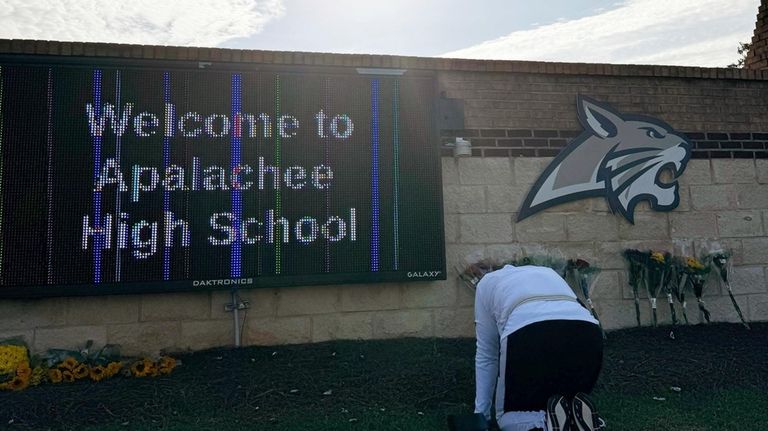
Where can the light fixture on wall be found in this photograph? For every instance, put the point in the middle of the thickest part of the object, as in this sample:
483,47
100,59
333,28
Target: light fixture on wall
462,148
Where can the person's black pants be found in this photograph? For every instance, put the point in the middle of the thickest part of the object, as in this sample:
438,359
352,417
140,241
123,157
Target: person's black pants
548,358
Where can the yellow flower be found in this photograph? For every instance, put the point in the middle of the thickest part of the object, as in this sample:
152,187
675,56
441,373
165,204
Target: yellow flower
98,373
140,368
38,373
81,371
657,256
55,375
69,364
693,263
166,364
10,357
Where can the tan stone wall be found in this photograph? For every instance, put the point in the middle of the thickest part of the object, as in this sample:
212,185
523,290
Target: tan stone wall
723,203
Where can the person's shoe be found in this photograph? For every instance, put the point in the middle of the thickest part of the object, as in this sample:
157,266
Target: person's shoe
584,414
558,412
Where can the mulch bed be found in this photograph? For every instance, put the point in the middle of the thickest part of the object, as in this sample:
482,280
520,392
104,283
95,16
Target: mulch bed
259,385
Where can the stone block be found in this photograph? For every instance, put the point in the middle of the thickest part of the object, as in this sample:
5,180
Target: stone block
206,334
740,223
696,172
32,313
275,331
403,323
648,226
761,165
485,228
504,199
481,170
463,199
607,286
541,228
755,250
145,338
458,256
529,169
346,326
616,314
748,279
451,222
70,337
296,301
758,307
592,227
262,302
692,225
455,322
450,168
102,310
176,306
429,294
750,196
731,171
364,297
714,197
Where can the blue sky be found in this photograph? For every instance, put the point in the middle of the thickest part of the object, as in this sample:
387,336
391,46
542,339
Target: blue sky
675,32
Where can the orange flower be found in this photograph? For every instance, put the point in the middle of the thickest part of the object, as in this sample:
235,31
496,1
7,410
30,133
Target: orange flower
19,383
54,375
24,370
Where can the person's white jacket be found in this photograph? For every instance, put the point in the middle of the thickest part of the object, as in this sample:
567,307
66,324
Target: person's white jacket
506,300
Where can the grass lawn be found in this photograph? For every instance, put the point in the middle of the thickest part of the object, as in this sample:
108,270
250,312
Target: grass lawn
410,384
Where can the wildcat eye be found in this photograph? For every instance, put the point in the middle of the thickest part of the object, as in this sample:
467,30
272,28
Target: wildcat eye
653,133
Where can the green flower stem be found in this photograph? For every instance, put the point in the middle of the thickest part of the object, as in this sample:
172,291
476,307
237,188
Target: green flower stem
736,306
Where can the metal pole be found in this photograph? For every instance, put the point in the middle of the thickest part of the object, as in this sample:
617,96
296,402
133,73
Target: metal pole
236,316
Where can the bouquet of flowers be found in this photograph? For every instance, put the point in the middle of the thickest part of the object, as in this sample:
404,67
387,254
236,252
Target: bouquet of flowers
585,276
15,372
696,273
722,261
678,283
635,258
655,270
670,279
473,273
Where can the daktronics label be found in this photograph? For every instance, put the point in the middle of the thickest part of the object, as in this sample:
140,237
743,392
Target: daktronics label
117,179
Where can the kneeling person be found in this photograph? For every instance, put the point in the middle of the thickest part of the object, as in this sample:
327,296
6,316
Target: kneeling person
538,347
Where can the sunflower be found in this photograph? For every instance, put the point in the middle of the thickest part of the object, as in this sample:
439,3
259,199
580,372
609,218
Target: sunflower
55,375
140,368
693,263
67,376
69,364
98,373
166,364
81,371
657,256
113,368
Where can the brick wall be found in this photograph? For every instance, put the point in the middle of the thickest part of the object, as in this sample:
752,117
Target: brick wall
757,57
518,115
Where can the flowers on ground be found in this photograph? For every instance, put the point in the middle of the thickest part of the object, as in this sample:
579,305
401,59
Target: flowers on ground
20,371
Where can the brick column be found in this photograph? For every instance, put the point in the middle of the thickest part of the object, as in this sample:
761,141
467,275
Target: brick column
757,57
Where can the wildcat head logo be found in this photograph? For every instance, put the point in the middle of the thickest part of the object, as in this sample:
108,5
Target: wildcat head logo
618,156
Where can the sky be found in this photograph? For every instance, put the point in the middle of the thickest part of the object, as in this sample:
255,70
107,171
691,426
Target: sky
673,32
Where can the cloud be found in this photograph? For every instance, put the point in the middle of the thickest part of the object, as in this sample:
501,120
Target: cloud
673,32
161,22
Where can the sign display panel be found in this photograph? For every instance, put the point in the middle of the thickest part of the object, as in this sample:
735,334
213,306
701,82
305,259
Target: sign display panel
129,177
